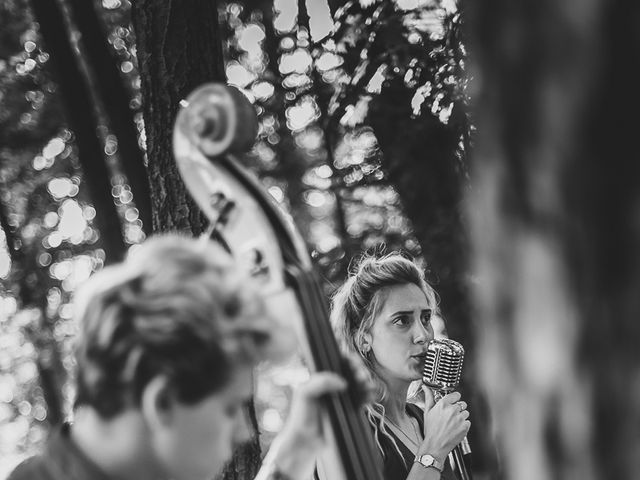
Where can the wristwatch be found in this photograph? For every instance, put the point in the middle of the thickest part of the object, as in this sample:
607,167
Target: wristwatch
428,461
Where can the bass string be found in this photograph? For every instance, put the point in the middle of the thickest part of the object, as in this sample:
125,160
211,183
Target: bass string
355,438
356,450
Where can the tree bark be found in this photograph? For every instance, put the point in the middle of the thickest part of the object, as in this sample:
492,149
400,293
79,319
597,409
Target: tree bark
83,121
105,76
421,161
179,48
51,373
555,234
334,5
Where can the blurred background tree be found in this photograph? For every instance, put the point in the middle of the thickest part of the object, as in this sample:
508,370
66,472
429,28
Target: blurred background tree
363,138
50,243
554,215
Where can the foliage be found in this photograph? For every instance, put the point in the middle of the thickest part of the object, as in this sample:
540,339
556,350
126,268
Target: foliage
399,72
316,94
316,154
415,41
36,164
50,242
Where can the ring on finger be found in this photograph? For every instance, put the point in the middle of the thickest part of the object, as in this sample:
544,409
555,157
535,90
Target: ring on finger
461,406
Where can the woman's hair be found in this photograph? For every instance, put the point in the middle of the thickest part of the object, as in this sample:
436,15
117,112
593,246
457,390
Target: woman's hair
357,303
175,307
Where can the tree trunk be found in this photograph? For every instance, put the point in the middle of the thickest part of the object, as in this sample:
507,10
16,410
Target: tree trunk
179,48
334,5
51,373
26,276
555,234
83,121
420,156
105,77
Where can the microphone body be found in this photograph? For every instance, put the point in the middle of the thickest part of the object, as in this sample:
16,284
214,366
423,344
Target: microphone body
442,373
443,365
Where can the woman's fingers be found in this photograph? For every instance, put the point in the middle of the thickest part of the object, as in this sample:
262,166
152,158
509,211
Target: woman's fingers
321,383
448,419
302,433
429,400
451,398
303,423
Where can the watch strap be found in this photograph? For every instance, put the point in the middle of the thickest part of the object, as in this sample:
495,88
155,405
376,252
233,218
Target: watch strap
429,461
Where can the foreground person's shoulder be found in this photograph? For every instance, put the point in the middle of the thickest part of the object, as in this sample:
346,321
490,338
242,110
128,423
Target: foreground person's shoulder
33,468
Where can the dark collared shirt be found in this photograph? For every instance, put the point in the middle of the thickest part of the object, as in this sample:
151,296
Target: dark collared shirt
60,460
396,466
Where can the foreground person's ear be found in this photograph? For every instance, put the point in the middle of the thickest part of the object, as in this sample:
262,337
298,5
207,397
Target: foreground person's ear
156,403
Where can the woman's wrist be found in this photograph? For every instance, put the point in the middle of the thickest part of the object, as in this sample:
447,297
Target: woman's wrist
429,461
428,448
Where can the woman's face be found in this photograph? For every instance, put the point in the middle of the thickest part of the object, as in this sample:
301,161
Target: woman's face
400,333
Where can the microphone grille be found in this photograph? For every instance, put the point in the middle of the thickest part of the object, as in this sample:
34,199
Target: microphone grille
443,364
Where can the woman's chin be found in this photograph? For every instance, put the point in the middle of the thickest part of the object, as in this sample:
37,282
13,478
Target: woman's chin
417,370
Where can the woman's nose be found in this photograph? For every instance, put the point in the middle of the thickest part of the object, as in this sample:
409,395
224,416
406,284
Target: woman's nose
421,333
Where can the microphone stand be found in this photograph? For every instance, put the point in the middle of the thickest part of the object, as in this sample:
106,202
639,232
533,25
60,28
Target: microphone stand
457,459
456,456
441,373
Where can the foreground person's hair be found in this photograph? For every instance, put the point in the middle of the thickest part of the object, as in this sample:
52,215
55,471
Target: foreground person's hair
175,307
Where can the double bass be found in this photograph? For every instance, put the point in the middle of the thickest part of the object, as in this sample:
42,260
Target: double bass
215,124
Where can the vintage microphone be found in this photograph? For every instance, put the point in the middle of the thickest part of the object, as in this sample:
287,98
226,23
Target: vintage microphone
442,372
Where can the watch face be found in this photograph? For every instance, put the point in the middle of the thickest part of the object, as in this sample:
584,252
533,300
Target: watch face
429,461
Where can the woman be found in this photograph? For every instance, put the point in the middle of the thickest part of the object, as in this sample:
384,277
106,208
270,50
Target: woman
383,314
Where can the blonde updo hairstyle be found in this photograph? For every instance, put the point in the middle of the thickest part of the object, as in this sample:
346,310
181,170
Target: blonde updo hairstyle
175,307
357,303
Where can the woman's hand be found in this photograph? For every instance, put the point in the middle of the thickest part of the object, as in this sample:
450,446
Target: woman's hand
446,423
296,447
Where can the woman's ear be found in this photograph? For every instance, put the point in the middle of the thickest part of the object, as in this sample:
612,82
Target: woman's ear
366,343
156,404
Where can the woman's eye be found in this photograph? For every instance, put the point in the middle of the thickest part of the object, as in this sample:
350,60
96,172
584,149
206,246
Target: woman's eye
426,316
402,320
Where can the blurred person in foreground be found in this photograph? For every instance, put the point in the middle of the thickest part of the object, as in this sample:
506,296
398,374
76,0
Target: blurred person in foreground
168,340
383,314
